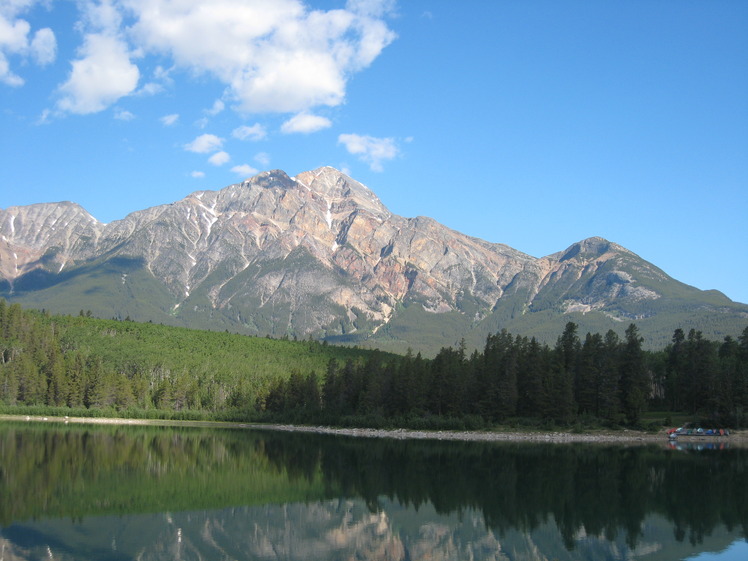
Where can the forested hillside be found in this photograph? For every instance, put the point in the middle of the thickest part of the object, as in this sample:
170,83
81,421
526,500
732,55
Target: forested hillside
86,362
133,368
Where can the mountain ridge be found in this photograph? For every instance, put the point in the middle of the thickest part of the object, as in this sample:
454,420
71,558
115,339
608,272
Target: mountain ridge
320,255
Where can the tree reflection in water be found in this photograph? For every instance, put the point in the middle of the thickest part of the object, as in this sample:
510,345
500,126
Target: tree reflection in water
158,493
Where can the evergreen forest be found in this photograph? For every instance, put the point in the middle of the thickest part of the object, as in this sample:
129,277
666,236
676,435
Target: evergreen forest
82,365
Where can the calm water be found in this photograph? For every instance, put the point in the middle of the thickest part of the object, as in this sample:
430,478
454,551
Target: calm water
128,493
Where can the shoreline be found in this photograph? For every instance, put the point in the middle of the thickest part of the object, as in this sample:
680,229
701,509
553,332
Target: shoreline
625,436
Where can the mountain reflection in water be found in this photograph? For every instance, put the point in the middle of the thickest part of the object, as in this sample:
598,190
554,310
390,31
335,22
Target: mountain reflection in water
156,493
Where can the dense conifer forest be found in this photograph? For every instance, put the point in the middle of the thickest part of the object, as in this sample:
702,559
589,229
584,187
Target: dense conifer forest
107,367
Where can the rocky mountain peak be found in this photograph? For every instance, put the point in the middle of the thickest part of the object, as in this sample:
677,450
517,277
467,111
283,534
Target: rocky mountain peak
43,235
590,248
316,254
340,190
35,225
272,179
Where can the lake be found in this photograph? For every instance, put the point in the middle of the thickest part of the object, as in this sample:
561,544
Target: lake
115,493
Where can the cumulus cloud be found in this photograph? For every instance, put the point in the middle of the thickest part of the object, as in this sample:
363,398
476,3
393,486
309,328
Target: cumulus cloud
277,57
217,107
44,46
103,72
169,120
370,149
123,115
273,56
244,132
159,82
219,158
197,174
16,40
204,144
150,88
245,170
6,75
305,123
102,75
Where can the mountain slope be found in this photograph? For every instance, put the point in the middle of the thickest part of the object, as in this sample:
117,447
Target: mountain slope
320,255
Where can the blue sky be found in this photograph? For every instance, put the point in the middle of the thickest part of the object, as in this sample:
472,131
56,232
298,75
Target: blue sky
535,124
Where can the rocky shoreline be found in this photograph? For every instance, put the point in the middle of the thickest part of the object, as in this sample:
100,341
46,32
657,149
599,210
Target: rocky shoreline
739,438
608,437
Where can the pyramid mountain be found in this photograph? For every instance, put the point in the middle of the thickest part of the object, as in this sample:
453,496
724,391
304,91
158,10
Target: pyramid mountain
318,255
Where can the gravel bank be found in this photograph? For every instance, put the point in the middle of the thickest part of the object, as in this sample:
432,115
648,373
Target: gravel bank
738,438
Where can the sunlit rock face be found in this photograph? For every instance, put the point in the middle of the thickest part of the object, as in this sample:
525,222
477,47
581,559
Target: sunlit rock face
317,254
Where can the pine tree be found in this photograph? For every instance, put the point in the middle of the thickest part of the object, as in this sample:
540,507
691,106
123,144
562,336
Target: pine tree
588,375
609,397
532,399
563,375
635,382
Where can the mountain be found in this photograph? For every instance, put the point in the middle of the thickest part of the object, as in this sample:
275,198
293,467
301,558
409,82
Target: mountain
319,255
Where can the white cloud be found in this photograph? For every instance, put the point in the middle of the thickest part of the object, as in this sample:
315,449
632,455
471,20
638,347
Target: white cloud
218,106
371,8
305,123
150,88
169,120
100,77
245,170
197,174
104,72
44,117
162,74
15,40
6,75
271,56
204,144
274,56
244,132
219,158
369,149
123,115
262,158
101,15
161,80
44,46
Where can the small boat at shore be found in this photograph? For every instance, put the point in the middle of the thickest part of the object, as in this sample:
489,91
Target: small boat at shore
695,432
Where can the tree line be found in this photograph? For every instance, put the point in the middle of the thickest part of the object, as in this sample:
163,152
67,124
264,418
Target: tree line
87,363
602,377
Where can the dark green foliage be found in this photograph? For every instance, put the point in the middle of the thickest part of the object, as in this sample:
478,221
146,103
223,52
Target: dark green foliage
123,366
635,379
108,364
607,379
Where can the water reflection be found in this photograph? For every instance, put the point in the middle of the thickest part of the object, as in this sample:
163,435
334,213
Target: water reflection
138,493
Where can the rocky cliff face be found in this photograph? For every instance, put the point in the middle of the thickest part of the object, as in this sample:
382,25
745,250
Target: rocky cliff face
317,254
44,235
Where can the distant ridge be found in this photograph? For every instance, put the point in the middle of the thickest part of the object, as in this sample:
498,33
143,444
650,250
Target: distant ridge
318,255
